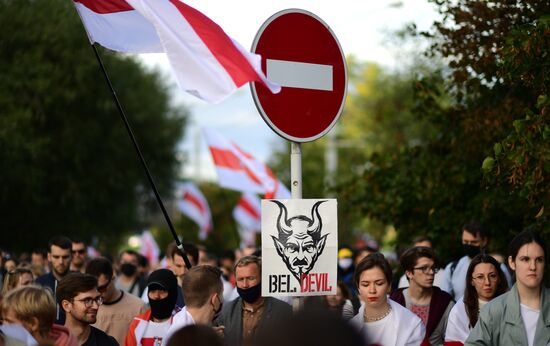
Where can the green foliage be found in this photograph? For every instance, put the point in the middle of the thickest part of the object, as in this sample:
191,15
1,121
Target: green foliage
433,187
68,166
470,141
485,155
522,156
377,119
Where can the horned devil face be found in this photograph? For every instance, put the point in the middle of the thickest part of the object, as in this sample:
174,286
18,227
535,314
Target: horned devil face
300,242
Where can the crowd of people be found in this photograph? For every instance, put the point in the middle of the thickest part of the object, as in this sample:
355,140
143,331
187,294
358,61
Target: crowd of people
62,297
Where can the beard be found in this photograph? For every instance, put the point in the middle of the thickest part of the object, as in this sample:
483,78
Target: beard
86,318
65,270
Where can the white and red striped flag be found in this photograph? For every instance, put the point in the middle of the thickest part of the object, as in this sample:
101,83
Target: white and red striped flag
248,212
149,248
115,25
238,170
205,61
192,203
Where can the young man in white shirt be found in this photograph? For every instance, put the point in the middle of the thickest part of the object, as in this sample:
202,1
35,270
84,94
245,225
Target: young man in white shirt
203,294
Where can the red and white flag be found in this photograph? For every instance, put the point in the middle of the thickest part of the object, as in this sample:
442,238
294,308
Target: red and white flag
205,61
248,215
238,170
192,203
248,212
117,26
149,248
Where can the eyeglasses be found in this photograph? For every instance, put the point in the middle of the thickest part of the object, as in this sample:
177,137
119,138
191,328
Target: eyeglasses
89,302
481,278
80,252
103,288
427,269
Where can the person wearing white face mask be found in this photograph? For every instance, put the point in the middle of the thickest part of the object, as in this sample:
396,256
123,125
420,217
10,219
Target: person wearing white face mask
346,268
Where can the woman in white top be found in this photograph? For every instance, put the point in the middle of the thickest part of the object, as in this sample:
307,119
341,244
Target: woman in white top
484,281
382,321
520,316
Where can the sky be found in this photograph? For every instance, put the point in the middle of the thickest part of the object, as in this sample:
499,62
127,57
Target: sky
363,28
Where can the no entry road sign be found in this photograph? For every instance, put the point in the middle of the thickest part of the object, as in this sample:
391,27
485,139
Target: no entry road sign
301,53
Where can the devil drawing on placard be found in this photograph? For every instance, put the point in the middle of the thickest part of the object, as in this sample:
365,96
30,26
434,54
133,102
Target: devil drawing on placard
299,241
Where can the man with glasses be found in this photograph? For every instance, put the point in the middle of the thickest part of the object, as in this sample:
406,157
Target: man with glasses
427,301
80,256
78,296
119,308
426,241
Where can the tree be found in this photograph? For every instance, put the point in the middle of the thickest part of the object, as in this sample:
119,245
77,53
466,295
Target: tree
68,165
521,159
377,120
490,101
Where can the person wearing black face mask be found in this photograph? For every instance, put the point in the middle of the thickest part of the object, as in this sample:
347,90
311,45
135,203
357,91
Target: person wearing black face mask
129,279
245,316
150,327
474,241
203,294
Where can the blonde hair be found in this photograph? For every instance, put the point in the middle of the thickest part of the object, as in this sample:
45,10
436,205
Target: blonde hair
11,279
32,301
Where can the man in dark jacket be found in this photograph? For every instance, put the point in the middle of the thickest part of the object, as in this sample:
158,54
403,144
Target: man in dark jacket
59,259
427,301
245,316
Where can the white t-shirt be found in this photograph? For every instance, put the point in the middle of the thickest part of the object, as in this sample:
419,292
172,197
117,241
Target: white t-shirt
530,317
154,333
182,319
380,332
401,327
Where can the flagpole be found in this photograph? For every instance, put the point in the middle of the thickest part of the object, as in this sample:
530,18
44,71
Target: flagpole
143,163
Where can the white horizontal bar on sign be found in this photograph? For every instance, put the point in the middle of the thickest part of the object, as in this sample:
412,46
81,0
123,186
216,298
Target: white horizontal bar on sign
303,75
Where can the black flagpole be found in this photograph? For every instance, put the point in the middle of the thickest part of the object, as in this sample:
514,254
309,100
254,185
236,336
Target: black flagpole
143,163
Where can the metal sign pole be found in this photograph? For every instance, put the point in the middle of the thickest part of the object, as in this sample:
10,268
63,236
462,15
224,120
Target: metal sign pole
296,193
296,170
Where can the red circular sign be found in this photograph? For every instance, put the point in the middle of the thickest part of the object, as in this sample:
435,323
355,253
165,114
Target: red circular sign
302,54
